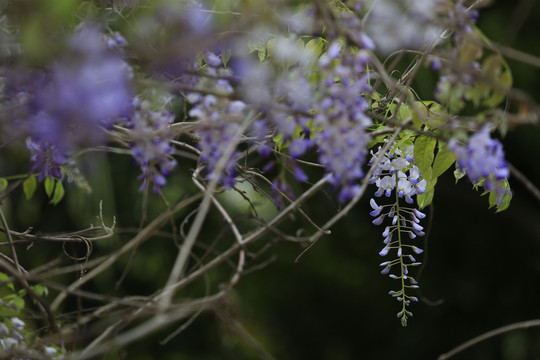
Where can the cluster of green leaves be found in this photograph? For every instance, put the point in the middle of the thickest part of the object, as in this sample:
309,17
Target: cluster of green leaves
431,153
13,299
487,87
53,187
431,163
19,334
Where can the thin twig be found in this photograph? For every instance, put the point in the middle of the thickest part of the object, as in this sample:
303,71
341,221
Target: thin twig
220,207
143,235
10,239
256,234
489,334
325,228
260,176
183,255
43,305
535,192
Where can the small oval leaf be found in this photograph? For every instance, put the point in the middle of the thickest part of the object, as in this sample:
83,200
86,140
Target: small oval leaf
424,152
58,193
49,186
29,187
3,184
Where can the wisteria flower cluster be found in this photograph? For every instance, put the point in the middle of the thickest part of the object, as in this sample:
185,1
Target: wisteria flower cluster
218,117
151,137
455,80
482,159
341,118
396,174
66,106
397,171
13,341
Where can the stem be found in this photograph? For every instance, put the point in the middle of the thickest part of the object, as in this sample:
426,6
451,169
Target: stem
403,299
489,334
10,240
183,255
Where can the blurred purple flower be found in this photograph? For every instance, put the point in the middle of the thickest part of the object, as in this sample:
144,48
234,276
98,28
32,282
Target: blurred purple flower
340,114
150,145
65,106
482,159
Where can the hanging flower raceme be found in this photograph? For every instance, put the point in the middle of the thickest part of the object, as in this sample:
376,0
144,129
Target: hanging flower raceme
483,161
397,175
46,158
14,340
66,106
219,119
151,137
341,115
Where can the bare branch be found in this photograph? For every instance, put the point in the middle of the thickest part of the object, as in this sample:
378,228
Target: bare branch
520,325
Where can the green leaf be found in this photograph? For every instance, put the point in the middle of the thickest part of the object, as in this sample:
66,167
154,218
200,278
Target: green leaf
426,198
476,94
40,290
451,95
315,46
421,115
15,300
494,100
3,184
8,312
405,139
18,302
404,113
458,174
77,178
29,187
49,186
437,116
225,57
278,140
5,279
259,47
262,54
505,200
270,47
375,96
424,152
58,193
443,160
503,81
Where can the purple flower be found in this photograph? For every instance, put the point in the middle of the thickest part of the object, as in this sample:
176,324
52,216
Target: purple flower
299,174
379,220
299,146
384,251
376,208
417,250
150,142
219,121
419,214
482,159
341,114
65,106
46,158
397,171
